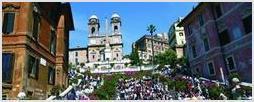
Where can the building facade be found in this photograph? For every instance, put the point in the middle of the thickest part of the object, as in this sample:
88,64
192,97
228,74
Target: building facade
35,48
104,50
144,46
77,56
218,38
107,46
177,38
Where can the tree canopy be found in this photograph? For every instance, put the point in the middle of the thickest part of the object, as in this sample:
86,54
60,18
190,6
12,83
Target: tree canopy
134,57
151,28
168,57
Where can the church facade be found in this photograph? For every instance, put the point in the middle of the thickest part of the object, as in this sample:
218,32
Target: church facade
105,49
105,46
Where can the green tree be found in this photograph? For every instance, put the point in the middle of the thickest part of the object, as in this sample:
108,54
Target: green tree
71,66
166,58
182,61
108,90
233,75
214,92
126,56
151,29
112,65
125,64
134,57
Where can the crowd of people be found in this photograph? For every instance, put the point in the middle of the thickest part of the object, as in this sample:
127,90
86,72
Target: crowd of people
142,89
195,89
86,87
151,88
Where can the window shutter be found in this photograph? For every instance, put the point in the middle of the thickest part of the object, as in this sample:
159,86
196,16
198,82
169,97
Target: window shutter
7,60
35,25
30,64
8,22
37,69
5,22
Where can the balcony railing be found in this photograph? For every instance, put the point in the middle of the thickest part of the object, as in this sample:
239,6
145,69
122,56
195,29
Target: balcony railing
127,69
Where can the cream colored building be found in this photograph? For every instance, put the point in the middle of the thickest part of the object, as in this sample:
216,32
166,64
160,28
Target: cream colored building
77,56
104,50
144,46
106,46
177,38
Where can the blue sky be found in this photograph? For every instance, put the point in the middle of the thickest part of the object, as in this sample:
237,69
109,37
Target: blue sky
135,16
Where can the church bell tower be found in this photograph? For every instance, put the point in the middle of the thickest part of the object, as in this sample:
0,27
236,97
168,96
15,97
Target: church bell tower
93,26
116,23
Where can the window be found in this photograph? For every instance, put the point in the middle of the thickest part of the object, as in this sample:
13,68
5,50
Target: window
76,53
189,29
201,19
93,56
218,10
197,70
52,14
7,62
4,97
206,44
8,23
51,75
237,32
117,55
36,25
211,69
33,67
115,28
149,45
92,30
224,38
230,63
247,24
194,54
181,34
53,42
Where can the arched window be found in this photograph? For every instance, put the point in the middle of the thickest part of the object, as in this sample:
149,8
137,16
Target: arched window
92,30
115,28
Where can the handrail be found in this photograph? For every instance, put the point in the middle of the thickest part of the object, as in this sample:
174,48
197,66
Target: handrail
66,91
138,68
241,83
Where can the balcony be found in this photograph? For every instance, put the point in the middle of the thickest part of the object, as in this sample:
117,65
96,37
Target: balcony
238,43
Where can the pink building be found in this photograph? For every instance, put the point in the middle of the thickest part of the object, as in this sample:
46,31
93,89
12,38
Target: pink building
218,35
